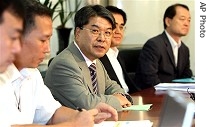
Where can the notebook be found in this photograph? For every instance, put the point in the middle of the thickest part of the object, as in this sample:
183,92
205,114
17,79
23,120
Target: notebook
177,111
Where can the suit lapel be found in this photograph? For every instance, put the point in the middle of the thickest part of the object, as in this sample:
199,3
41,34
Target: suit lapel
82,65
180,58
169,49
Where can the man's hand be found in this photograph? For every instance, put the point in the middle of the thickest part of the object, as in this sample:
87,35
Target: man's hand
105,111
123,100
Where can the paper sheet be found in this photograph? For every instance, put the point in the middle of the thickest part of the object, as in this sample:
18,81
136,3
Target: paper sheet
145,107
176,86
141,123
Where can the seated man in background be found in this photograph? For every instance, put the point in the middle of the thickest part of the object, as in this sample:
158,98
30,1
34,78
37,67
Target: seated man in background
11,25
76,77
111,60
28,101
165,57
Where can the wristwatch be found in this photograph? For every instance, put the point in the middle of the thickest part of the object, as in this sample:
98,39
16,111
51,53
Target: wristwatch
127,96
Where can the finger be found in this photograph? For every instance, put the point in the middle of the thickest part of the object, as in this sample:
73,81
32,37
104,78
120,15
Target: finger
101,117
93,112
102,107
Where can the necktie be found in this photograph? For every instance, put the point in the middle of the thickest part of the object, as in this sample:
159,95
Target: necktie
92,69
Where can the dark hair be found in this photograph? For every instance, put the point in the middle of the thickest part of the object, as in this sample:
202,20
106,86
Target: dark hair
84,14
34,8
171,12
116,10
15,7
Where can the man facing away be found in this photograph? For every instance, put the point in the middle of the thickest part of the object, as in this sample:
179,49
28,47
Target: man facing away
26,101
76,77
11,25
165,57
111,60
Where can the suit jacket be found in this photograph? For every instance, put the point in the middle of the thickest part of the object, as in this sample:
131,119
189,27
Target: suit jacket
156,62
68,78
109,68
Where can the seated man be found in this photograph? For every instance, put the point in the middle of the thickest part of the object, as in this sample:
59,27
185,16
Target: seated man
165,57
76,77
111,60
11,25
25,100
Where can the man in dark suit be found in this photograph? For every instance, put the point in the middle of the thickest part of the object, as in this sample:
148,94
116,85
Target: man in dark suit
165,57
111,60
68,75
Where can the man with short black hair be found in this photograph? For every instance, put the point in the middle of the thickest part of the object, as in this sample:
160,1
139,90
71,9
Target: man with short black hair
11,25
165,57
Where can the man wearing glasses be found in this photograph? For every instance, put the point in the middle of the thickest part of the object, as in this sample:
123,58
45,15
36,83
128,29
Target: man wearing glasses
112,61
76,77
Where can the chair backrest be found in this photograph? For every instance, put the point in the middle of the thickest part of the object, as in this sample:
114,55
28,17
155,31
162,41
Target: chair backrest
130,57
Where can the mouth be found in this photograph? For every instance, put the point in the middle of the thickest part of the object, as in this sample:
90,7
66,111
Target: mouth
100,47
41,59
117,37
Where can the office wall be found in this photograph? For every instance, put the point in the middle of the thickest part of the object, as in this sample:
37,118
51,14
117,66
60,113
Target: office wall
144,21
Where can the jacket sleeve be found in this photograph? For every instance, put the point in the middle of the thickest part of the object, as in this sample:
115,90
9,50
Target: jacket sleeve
187,72
147,68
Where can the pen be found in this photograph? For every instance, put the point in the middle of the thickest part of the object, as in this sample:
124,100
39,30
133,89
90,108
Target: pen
117,124
79,109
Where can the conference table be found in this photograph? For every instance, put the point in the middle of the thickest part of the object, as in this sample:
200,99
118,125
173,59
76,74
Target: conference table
147,96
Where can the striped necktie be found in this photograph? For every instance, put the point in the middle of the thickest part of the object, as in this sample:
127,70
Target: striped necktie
92,69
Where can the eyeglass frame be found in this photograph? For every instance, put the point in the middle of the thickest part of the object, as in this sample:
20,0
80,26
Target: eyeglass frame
121,27
96,32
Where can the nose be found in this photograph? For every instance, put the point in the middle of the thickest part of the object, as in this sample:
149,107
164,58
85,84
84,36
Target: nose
117,30
47,47
187,23
101,36
16,47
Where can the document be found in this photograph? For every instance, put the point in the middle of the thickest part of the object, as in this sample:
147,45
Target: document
145,107
141,123
176,86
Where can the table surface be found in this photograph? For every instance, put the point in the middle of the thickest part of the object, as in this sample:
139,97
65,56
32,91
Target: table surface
147,96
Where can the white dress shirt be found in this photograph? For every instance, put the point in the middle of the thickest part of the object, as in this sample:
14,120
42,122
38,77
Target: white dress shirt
175,47
112,56
26,90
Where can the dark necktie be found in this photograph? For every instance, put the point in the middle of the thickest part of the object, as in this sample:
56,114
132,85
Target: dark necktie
92,69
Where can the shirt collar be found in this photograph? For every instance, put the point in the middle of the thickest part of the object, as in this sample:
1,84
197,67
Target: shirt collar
172,41
88,61
113,52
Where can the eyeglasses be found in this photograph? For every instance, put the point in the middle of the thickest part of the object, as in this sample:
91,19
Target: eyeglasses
96,32
120,27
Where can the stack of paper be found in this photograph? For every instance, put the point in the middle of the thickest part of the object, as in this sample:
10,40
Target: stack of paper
176,86
141,123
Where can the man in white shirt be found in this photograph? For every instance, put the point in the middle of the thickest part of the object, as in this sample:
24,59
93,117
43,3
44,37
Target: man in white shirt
11,25
25,100
112,61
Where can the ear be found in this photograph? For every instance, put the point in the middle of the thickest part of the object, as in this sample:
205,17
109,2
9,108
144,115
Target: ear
167,21
77,31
